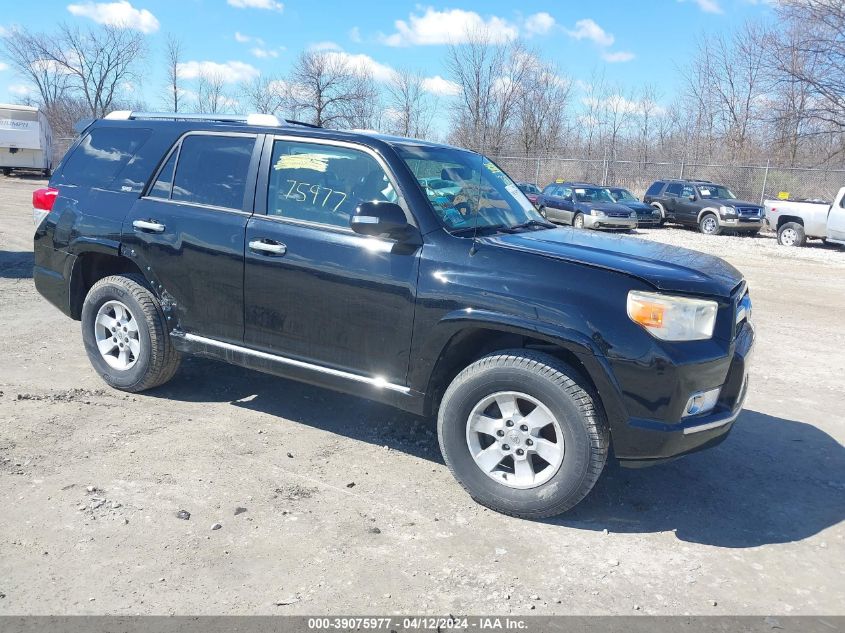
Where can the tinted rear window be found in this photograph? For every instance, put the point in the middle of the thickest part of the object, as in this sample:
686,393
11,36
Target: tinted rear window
655,188
102,155
212,170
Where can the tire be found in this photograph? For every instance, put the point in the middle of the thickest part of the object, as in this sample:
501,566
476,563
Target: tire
662,220
543,381
578,221
791,234
148,358
709,224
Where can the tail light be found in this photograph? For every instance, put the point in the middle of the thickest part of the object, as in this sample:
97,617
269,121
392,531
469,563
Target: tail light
42,203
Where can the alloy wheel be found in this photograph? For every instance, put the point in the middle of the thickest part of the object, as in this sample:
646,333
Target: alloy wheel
117,336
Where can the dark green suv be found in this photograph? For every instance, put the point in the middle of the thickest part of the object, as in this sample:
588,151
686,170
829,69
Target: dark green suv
713,208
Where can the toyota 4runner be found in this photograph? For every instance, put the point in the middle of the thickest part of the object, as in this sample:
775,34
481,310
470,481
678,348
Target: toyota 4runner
319,256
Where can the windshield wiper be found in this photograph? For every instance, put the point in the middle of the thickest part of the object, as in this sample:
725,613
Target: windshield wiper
530,223
482,229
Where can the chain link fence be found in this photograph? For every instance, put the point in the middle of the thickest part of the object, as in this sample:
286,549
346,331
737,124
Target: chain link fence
749,182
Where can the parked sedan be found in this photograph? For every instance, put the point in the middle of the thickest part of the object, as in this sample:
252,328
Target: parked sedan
584,205
647,215
531,191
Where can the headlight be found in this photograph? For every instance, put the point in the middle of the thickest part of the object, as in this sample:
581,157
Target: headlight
672,318
727,210
597,213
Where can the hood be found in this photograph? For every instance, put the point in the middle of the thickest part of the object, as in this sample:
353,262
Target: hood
607,207
731,202
668,268
638,206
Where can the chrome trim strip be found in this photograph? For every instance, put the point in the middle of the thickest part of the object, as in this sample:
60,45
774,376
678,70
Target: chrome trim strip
375,382
713,425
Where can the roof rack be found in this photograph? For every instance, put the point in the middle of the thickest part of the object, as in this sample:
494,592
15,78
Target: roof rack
269,120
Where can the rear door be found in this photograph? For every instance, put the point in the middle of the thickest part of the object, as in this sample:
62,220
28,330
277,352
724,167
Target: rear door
670,199
314,290
686,210
187,231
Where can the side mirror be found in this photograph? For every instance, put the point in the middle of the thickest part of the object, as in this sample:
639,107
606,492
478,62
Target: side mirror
380,218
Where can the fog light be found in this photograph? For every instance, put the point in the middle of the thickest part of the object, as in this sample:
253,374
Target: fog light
702,402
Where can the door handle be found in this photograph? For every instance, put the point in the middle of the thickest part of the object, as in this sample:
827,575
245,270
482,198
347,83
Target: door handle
268,247
148,225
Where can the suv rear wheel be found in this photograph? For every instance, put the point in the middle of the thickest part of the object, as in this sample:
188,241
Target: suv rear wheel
126,335
709,224
791,234
522,435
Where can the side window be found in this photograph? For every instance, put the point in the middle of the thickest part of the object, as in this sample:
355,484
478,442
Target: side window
212,170
549,190
164,182
687,191
102,155
674,189
655,188
323,183
564,192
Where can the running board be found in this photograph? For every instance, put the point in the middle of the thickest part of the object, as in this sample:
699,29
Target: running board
370,387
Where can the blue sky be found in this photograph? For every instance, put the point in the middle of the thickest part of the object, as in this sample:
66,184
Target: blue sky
631,42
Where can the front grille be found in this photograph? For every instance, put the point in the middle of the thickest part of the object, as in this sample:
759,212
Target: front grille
749,212
617,214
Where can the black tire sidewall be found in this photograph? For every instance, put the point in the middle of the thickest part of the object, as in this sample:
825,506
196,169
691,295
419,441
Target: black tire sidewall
801,237
134,376
566,483
701,224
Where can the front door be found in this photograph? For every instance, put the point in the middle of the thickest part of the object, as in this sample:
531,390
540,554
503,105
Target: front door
314,290
187,232
836,221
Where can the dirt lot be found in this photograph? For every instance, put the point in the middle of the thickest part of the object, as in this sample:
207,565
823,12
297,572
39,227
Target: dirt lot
349,508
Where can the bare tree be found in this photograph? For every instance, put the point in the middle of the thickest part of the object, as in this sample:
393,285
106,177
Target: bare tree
264,94
648,109
173,56
409,104
25,51
211,94
543,100
101,63
326,90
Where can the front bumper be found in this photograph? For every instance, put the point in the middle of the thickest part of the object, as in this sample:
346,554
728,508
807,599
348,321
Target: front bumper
595,222
741,224
642,442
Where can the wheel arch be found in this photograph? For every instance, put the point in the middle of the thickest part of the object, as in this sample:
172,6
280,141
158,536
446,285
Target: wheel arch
89,267
783,219
708,210
472,339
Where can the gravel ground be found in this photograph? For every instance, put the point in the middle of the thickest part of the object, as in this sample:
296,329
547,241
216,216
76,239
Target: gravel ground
303,501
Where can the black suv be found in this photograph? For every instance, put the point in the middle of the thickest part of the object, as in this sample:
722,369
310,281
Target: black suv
711,207
317,255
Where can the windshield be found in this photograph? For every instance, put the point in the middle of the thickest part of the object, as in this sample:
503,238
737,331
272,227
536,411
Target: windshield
715,191
593,194
623,195
478,192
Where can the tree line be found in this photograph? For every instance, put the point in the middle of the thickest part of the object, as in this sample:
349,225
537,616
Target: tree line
764,92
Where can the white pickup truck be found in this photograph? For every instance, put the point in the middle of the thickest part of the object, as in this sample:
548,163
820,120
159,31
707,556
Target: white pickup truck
796,221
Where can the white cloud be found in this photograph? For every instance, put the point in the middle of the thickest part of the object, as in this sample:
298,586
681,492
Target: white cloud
240,37
21,90
588,30
443,27
708,6
618,56
121,14
364,63
539,23
3,66
439,86
619,103
263,53
270,5
325,46
230,72
355,35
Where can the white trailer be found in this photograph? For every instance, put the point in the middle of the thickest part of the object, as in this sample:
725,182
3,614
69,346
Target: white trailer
26,140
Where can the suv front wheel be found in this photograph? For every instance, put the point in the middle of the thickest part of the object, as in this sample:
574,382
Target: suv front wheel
126,335
522,434
709,224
